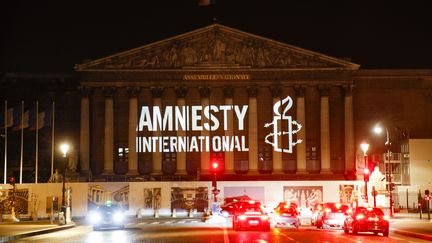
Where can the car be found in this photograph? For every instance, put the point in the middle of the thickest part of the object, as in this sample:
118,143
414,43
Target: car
230,208
367,220
286,215
107,216
250,215
332,215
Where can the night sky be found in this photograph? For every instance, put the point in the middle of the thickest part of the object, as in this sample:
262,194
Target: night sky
54,36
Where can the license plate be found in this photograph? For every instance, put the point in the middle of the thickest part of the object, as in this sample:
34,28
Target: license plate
253,222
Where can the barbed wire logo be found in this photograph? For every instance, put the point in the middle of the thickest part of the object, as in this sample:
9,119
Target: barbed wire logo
278,118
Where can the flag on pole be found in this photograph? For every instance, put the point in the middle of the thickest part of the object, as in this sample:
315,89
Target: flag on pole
19,124
9,115
43,120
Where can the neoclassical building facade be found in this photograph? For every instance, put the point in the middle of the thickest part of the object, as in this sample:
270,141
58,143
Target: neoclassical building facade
171,107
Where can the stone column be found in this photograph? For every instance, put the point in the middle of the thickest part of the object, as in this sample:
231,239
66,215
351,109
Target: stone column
277,156
205,154
109,130
85,130
301,118
157,93
229,155
253,129
132,130
181,156
325,129
349,130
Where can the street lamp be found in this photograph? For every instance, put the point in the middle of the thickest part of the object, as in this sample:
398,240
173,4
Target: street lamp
64,147
378,130
365,147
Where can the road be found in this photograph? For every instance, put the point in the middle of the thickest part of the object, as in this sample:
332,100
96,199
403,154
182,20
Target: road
192,230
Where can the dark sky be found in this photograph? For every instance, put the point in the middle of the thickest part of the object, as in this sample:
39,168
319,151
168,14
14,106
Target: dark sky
39,36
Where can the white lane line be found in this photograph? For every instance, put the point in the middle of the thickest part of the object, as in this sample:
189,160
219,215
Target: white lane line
154,222
226,238
284,235
344,237
396,238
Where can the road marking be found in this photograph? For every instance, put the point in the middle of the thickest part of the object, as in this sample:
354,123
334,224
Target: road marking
226,238
284,235
396,238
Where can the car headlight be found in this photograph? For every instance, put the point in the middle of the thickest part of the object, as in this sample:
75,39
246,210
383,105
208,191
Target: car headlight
95,217
118,217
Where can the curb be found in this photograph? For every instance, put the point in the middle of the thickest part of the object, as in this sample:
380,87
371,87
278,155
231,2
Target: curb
33,233
412,234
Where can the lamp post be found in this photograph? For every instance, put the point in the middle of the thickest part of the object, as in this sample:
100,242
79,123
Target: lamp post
64,149
365,147
378,130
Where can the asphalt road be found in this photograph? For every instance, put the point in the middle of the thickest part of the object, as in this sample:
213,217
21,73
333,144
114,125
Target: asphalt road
192,230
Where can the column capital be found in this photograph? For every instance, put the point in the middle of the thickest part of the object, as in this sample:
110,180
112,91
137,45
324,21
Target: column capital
204,91
85,90
276,91
324,89
181,91
348,89
252,91
300,90
133,91
228,91
109,92
157,92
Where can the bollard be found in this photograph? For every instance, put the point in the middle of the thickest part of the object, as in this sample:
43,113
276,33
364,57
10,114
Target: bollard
190,213
156,215
174,213
139,214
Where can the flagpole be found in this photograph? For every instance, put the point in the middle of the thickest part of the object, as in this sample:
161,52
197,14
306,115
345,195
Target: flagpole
37,141
5,144
22,139
52,139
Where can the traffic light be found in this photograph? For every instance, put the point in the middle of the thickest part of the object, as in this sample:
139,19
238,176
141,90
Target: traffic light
366,174
215,166
11,180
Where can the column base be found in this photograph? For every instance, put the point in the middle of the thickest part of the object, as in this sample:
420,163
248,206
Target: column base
181,172
326,171
132,173
302,172
108,172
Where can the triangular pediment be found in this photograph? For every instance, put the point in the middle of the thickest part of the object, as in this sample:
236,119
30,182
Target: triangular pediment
216,46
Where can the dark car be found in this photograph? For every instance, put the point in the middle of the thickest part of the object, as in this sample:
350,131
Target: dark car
367,220
250,215
332,215
230,208
286,215
107,216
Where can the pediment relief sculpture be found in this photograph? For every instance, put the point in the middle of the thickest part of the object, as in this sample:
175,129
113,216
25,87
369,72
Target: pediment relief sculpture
215,46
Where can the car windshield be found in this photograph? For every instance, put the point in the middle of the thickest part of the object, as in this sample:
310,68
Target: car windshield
253,208
336,207
109,208
371,211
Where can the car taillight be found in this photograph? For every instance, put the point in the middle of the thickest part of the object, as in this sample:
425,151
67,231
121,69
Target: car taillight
242,217
349,211
327,210
264,217
386,217
360,217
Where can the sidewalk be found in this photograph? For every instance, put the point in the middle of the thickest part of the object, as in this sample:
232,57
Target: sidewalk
411,225
13,231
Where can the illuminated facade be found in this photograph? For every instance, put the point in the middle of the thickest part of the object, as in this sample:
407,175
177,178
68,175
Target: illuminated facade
264,109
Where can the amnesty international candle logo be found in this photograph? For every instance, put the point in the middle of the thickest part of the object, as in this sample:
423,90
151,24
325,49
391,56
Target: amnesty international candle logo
278,118
190,118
